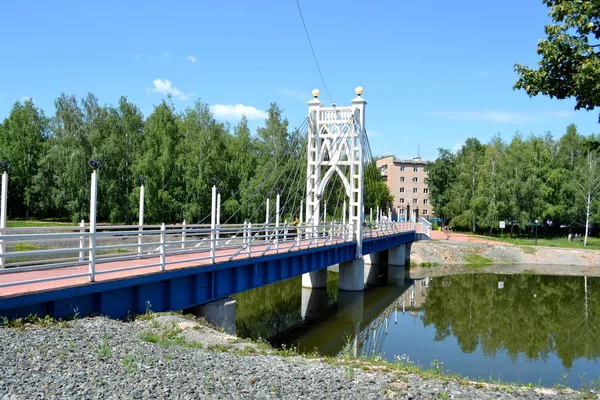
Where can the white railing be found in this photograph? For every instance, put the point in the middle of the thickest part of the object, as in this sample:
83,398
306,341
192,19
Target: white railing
76,252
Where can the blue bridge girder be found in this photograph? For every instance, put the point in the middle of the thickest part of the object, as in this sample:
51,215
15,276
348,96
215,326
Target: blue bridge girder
174,290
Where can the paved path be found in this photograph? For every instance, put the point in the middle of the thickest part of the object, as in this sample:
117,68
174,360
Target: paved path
40,279
461,237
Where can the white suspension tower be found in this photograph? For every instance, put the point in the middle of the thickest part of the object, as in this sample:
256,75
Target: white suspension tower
335,145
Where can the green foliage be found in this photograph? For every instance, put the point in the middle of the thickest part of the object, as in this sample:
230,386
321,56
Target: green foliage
23,137
569,65
376,192
441,176
534,178
178,154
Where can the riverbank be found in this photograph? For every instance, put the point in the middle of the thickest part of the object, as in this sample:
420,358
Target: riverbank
174,357
441,252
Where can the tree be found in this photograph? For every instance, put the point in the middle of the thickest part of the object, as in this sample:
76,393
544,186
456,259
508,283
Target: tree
570,63
586,182
464,202
492,193
158,164
22,142
203,155
441,176
63,178
119,148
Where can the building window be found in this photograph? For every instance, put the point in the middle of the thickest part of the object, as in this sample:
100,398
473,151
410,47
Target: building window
401,169
416,169
415,180
415,190
425,190
415,201
401,190
424,212
402,212
425,201
401,179
401,201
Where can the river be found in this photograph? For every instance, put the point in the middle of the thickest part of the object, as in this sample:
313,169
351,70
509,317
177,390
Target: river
527,328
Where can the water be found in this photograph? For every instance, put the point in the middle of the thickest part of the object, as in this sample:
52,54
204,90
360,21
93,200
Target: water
535,329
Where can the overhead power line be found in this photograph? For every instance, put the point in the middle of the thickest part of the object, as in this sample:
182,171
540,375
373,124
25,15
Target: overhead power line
313,51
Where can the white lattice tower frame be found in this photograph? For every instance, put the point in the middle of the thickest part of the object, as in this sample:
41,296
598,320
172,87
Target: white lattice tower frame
335,145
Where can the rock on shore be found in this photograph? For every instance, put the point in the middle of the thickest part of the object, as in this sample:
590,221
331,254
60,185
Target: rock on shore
172,357
450,252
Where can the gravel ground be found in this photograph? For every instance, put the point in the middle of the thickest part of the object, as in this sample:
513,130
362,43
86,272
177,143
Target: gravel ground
171,357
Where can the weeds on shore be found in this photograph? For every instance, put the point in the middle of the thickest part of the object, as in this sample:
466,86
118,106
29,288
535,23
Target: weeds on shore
35,320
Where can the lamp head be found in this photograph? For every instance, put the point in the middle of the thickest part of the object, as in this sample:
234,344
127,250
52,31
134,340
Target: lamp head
141,180
214,181
359,91
95,164
5,166
316,93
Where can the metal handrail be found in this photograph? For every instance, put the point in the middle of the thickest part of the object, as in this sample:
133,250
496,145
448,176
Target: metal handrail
169,240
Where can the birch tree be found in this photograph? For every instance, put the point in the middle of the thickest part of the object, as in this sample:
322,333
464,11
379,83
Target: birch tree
586,181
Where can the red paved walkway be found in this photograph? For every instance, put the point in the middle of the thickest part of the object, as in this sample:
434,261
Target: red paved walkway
111,270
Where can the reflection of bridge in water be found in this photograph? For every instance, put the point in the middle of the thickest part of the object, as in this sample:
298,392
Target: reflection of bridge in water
359,323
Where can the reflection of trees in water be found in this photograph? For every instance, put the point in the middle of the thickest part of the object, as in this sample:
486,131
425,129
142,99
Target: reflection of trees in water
266,311
532,315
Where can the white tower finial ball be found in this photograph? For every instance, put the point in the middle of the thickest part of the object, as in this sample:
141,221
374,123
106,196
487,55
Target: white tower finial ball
358,90
316,93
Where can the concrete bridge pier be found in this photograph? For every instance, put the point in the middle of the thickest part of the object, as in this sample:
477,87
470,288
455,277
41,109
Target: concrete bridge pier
315,279
221,313
396,265
375,268
314,303
352,275
351,308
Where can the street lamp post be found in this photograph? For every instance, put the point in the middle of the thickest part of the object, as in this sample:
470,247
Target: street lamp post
4,167
536,224
141,181
95,165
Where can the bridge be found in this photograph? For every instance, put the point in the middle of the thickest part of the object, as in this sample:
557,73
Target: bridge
130,269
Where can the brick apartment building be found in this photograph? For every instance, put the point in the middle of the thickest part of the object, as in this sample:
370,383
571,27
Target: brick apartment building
407,180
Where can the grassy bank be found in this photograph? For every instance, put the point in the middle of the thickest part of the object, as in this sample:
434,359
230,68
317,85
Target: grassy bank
592,244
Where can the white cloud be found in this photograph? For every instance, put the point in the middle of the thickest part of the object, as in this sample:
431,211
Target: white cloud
165,54
235,112
296,94
166,87
501,117
372,133
191,59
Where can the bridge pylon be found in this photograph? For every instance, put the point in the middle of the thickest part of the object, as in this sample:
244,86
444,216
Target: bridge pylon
336,140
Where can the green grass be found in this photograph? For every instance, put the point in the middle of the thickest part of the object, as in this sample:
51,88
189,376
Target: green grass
477,259
26,247
593,242
36,224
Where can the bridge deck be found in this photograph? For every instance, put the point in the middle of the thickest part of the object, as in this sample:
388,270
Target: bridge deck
113,270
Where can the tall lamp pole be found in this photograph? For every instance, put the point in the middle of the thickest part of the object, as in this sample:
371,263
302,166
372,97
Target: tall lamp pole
536,224
4,167
95,165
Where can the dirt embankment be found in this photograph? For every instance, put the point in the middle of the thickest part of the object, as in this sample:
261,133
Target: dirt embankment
434,252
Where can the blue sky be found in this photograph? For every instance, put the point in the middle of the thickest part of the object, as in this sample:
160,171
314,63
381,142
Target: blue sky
434,73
